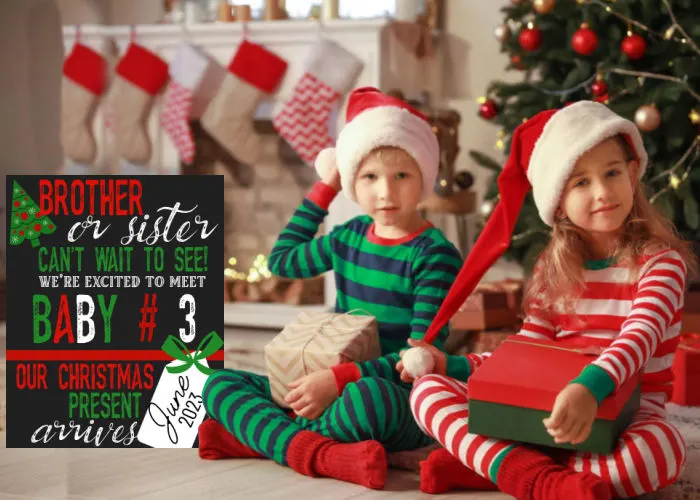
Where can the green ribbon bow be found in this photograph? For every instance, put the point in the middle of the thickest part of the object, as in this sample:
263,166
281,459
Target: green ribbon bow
174,348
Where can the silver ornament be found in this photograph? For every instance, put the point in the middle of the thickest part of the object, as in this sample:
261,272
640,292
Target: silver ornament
647,118
501,32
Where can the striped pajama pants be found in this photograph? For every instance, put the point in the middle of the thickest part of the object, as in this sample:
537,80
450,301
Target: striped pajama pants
369,409
650,455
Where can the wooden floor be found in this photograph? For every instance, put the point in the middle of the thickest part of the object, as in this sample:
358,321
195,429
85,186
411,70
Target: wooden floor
178,474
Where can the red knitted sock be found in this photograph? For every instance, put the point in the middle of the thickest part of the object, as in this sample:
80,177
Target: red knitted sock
215,442
361,463
528,474
443,472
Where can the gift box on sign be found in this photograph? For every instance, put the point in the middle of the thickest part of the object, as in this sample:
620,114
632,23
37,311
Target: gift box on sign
491,305
686,371
316,341
515,389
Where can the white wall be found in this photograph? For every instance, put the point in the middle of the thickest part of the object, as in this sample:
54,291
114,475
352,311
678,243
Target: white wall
475,61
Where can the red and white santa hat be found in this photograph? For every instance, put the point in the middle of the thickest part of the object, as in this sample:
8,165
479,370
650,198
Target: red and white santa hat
543,153
374,119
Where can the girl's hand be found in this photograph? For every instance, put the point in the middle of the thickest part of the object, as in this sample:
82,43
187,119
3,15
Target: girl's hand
573,415
439,360
312,394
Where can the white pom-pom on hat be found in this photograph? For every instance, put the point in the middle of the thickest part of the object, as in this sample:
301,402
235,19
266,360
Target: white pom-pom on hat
417,361
325,163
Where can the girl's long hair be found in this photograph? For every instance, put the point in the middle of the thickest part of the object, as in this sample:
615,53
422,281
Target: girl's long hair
558,280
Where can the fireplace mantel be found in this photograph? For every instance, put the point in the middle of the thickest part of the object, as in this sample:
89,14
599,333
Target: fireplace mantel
292,40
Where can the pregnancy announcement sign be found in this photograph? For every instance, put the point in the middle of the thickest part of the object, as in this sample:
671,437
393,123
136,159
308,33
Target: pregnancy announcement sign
115,313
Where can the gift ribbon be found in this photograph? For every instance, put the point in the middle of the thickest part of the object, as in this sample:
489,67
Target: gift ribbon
318,332
174,348
690,342
593,350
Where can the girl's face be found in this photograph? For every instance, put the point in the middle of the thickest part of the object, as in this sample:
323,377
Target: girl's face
599,193
389,192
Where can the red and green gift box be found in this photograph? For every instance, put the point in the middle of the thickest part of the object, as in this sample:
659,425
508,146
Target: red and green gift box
515,389
686,371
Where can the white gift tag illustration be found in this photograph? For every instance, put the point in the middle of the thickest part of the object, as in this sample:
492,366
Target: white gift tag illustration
172,418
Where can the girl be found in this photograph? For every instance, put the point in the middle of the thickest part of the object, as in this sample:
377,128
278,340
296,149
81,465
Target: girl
613,275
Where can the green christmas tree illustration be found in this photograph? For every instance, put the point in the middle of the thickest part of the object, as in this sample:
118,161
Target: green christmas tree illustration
27,221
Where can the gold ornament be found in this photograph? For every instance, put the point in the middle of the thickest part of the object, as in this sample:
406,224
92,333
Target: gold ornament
674,181
500,144
543,6
501,32
694,116
647,117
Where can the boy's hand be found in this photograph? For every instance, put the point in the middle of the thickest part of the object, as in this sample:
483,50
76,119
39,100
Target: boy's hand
439,360
312,394
573,415
332,179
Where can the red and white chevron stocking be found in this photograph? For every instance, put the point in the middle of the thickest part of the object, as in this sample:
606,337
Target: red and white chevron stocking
303,121
186,71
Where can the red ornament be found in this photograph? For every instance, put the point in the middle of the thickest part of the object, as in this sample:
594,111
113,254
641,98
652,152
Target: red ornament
530,39
634,47
488,109
517,63
599,88
584,41
17,203
50,226
602,98
24,215
21,233
37,227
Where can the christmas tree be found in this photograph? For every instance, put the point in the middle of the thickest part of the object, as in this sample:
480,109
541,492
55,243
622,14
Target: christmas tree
27,221
640,57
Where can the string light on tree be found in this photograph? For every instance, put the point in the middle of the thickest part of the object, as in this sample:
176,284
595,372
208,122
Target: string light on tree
647,117
486,208
634,46
530,38
674,181
694,116
544,6
584,41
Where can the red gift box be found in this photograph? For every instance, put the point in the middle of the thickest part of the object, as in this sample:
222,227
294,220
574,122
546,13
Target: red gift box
686,371
517,386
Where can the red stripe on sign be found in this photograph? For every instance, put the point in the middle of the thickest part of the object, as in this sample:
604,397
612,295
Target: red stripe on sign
95,355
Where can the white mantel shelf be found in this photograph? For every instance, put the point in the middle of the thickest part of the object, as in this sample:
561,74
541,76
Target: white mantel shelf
260,31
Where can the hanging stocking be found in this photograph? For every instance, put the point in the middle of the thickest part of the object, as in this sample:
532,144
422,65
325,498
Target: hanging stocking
304,119
253,73
140,75
84,81
186,72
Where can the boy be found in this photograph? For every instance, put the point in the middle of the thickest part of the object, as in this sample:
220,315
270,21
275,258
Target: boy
389,263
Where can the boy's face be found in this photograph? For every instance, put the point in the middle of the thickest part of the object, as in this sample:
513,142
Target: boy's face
598,195
389,191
